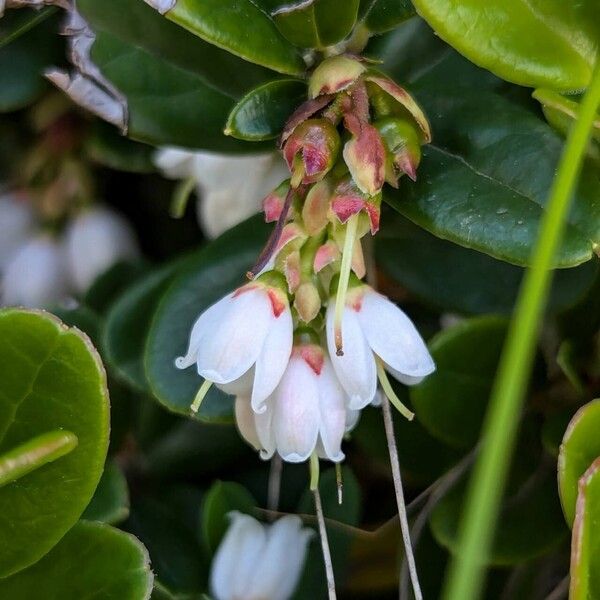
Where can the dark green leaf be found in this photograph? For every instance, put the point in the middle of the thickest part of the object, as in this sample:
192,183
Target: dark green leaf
92,561
52,378
451,403
317,23
240,27
221,499
107,147
166,105
262,113
177,558
452,278
546,43
22,63
382,15
530,521
110,503
128,322
585,549
579,448
136,23
15,23
209,275
484,181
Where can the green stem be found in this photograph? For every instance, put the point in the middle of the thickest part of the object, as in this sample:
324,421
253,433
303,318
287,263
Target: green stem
465,576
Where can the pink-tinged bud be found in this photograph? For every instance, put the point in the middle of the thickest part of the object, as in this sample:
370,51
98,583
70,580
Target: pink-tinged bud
302,113
403,148
334,75
326,255
292,270
348,200
307,301
388,93
274,202
316,207
311,151
364,155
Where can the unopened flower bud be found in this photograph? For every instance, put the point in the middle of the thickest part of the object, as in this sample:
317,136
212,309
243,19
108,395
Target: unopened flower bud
364,155
36,275
387,97
96,240
334,75
311,151
348,200
403,148
259,562
307,301
316,207
274,201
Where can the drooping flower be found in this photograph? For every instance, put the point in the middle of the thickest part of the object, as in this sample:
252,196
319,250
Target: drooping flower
17,225
243,342
95,240
36,275
259,562
231,188
375,329
307,412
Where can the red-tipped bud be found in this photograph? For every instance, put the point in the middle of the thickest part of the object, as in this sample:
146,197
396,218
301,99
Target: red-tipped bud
348,200
364,155
334,75
403,148
311,151
274,202
387,97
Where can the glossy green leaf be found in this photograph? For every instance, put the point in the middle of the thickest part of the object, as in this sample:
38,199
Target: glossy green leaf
452,278
166,104
104,145
23,61
128,322
579,448
316,23
35,453
136,23
530,518
544,43
15,23
451,402
382,15
227,24
177,558
222,498
585,545
209,275
262,113
52,378
110,503
484,181
93,560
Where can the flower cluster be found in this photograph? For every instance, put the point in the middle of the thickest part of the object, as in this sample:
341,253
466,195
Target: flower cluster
38,269
304,344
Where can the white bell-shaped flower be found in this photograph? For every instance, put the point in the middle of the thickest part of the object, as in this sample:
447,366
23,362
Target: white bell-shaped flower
375,329
36,276
95,240
307,412
231,188
17,225
243,342
259,562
